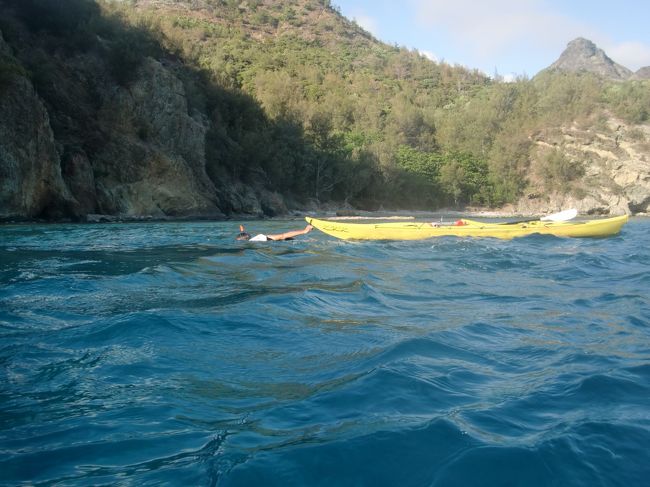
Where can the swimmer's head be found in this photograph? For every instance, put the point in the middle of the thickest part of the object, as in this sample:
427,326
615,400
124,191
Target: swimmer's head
243,235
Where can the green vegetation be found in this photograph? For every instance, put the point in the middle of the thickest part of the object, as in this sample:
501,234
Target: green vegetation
302,101
630,101
559,171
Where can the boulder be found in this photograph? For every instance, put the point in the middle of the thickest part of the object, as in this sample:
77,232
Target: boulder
272,203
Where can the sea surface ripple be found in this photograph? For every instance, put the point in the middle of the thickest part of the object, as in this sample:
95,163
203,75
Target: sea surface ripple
169,353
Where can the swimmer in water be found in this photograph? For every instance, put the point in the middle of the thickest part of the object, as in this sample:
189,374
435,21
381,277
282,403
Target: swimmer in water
243,235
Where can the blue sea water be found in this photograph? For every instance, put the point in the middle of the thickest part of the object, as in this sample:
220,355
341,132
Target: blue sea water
170,354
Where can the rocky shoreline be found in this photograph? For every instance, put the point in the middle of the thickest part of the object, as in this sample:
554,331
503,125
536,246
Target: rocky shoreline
329,212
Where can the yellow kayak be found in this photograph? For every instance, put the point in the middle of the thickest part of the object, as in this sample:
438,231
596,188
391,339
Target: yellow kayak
468,228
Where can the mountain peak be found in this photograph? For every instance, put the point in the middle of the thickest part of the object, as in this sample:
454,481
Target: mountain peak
643,73
582,55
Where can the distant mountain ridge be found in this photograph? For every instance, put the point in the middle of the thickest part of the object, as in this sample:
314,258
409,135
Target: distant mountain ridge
582,55
642,73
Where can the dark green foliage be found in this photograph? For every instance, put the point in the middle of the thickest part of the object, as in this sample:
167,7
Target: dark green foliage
452,177
57,17
630,101
423,164
559,171
123,61
469,179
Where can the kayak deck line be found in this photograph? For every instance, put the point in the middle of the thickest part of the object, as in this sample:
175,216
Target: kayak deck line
468,228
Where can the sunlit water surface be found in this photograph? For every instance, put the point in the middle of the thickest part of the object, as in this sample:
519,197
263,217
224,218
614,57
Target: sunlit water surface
146,354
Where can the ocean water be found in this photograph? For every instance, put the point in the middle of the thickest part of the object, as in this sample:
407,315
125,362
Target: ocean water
170,354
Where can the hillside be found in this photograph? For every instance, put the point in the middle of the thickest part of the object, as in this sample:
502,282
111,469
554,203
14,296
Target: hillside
208,108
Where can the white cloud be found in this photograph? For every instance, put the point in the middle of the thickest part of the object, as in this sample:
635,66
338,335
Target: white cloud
368,23
490,27
429,55
632,55
514,35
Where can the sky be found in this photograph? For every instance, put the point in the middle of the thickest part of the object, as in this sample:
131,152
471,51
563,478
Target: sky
507,37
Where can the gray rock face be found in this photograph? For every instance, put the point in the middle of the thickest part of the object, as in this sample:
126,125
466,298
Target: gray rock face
582,55
80,180
154,161
5,50
31,184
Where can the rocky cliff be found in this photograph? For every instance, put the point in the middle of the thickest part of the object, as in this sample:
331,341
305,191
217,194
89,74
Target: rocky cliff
610,158
31,184
153,159
96,147
613,163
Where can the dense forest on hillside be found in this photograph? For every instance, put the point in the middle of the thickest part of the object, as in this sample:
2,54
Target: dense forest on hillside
304,102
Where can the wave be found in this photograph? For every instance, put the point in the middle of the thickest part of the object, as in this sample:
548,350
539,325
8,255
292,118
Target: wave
172,354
